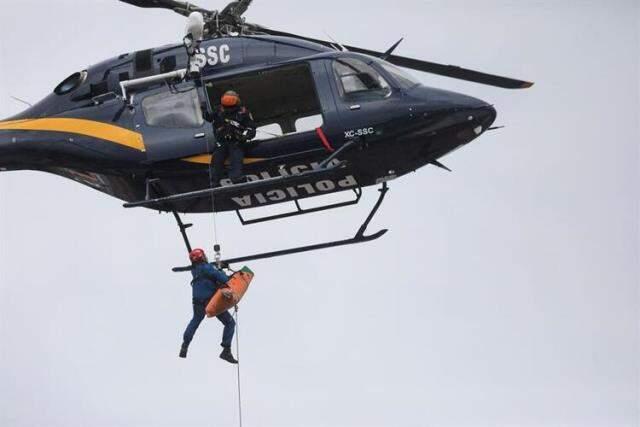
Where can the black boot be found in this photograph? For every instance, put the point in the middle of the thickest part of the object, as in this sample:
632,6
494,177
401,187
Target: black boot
226,355
183,350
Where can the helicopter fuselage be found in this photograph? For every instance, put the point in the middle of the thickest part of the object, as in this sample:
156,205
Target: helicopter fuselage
307,99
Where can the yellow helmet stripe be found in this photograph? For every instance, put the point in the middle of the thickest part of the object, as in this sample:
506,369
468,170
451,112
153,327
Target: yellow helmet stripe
205,159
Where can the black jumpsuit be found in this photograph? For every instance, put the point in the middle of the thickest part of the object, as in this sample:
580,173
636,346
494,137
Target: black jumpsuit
233,128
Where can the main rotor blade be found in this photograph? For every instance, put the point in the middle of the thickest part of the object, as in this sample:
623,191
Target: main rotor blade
177,6
236,8
452,71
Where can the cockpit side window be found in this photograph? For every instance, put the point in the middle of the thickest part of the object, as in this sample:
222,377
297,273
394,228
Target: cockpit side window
173,110
356,77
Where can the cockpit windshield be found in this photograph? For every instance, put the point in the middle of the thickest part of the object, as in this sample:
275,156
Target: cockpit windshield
404,79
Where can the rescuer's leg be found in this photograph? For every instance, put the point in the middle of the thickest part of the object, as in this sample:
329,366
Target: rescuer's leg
198,315
236,158
227,336
219,156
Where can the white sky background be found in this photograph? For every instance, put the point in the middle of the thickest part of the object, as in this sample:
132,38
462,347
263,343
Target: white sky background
505,294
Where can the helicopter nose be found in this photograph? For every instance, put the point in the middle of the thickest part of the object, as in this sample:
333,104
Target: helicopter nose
481,118
478,113
451,120
473,114
458,109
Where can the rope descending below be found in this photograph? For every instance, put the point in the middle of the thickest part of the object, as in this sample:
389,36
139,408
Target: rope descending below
235,311
235,314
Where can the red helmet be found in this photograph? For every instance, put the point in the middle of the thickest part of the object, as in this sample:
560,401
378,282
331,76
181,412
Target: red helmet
197,255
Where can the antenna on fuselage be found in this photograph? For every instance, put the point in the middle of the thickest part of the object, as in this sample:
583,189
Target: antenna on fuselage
15,98
337,43
389,51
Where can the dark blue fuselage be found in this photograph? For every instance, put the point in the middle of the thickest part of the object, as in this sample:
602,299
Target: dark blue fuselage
90,134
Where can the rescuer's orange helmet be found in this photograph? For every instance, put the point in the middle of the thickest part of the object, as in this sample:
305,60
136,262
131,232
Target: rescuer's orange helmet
230,99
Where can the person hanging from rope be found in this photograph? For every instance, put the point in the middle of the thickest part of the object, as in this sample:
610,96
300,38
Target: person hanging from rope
234,128
207,280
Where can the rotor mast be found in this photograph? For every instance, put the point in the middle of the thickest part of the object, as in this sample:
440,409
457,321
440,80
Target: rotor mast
229,21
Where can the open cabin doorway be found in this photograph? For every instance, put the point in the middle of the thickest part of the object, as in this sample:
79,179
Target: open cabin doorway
283,100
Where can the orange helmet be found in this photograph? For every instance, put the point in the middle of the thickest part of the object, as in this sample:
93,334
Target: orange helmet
230,99
197,255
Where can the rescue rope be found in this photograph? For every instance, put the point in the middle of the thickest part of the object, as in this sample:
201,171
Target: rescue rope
235,314
213,198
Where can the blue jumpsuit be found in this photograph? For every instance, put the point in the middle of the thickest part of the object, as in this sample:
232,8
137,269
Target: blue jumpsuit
207,279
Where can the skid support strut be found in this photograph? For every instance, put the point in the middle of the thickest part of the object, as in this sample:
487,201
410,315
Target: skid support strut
359,237
154,184
183,230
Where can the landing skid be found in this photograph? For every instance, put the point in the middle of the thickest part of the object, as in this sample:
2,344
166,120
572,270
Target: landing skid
359,237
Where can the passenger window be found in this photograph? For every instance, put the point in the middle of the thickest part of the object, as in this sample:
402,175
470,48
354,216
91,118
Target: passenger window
173,110
272,130
305,124
356,77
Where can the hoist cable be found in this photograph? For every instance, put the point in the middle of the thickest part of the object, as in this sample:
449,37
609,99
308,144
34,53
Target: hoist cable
235,314
213,198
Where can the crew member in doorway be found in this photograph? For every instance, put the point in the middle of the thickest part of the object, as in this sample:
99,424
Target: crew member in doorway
207,280
234,128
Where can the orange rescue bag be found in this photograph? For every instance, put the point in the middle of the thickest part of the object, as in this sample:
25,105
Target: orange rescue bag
239,283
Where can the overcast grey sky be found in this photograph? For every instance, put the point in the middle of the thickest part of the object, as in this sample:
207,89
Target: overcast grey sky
505,294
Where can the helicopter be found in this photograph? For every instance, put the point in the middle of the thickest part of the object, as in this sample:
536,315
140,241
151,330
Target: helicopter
330,118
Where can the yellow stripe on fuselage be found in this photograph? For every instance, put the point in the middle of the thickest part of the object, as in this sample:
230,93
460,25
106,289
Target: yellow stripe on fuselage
205,159
91,128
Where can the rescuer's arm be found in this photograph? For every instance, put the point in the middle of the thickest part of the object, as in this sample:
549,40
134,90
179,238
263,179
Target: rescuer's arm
249,124
218,276
217,118
214,274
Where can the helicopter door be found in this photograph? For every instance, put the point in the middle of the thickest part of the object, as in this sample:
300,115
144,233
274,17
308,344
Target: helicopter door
172,123
285,105
363,97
